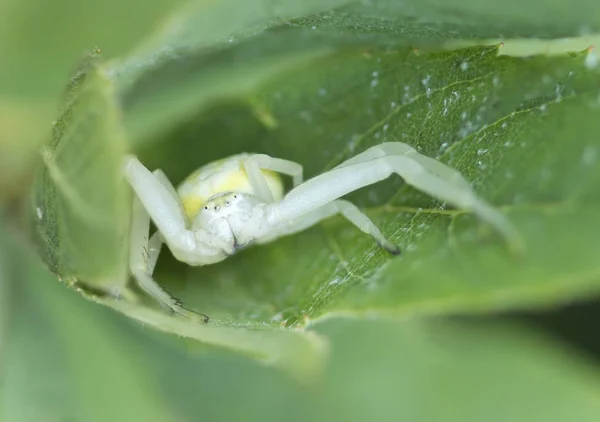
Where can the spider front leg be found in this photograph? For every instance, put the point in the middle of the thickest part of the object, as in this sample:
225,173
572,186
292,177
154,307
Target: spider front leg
432,165
155,242
378,163
258,162
143,257
154,197
347,209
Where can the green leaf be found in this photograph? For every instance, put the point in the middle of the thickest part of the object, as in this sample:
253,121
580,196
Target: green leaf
484,19
65,359
319,96
317,82
501,121
40,41
162,83
80,216
402,371
455,372
78,204
62,359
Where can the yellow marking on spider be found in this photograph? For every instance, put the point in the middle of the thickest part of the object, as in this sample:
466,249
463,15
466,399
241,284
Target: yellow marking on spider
192,205
221,176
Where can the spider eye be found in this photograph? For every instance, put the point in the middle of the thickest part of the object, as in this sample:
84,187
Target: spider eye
216,208
235,196
206,208
227,203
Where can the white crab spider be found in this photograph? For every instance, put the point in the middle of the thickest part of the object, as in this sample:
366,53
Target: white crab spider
232,203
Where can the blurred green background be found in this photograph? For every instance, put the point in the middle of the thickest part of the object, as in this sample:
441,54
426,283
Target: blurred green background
476,338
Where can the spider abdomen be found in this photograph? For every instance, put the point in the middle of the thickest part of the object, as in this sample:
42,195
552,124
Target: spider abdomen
221,176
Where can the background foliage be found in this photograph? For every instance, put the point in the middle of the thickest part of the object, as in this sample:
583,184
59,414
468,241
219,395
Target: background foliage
321,325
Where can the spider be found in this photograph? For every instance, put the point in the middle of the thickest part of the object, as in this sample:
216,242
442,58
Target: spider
232,203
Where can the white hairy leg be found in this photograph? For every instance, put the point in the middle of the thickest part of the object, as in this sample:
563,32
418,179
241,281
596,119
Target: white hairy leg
340,206
155,241
378,151
165,211
398,148
196,247
154,246
257,162
157,199
164,180
364,170
142,259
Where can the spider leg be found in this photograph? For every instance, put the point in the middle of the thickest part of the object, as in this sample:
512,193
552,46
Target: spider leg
155,242
143,255
257,162
154,246
340,206
377,151
398,148
166,211
164,180
155,198
164,208
378,163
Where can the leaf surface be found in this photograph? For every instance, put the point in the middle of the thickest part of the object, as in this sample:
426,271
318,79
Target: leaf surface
501,121
522,130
